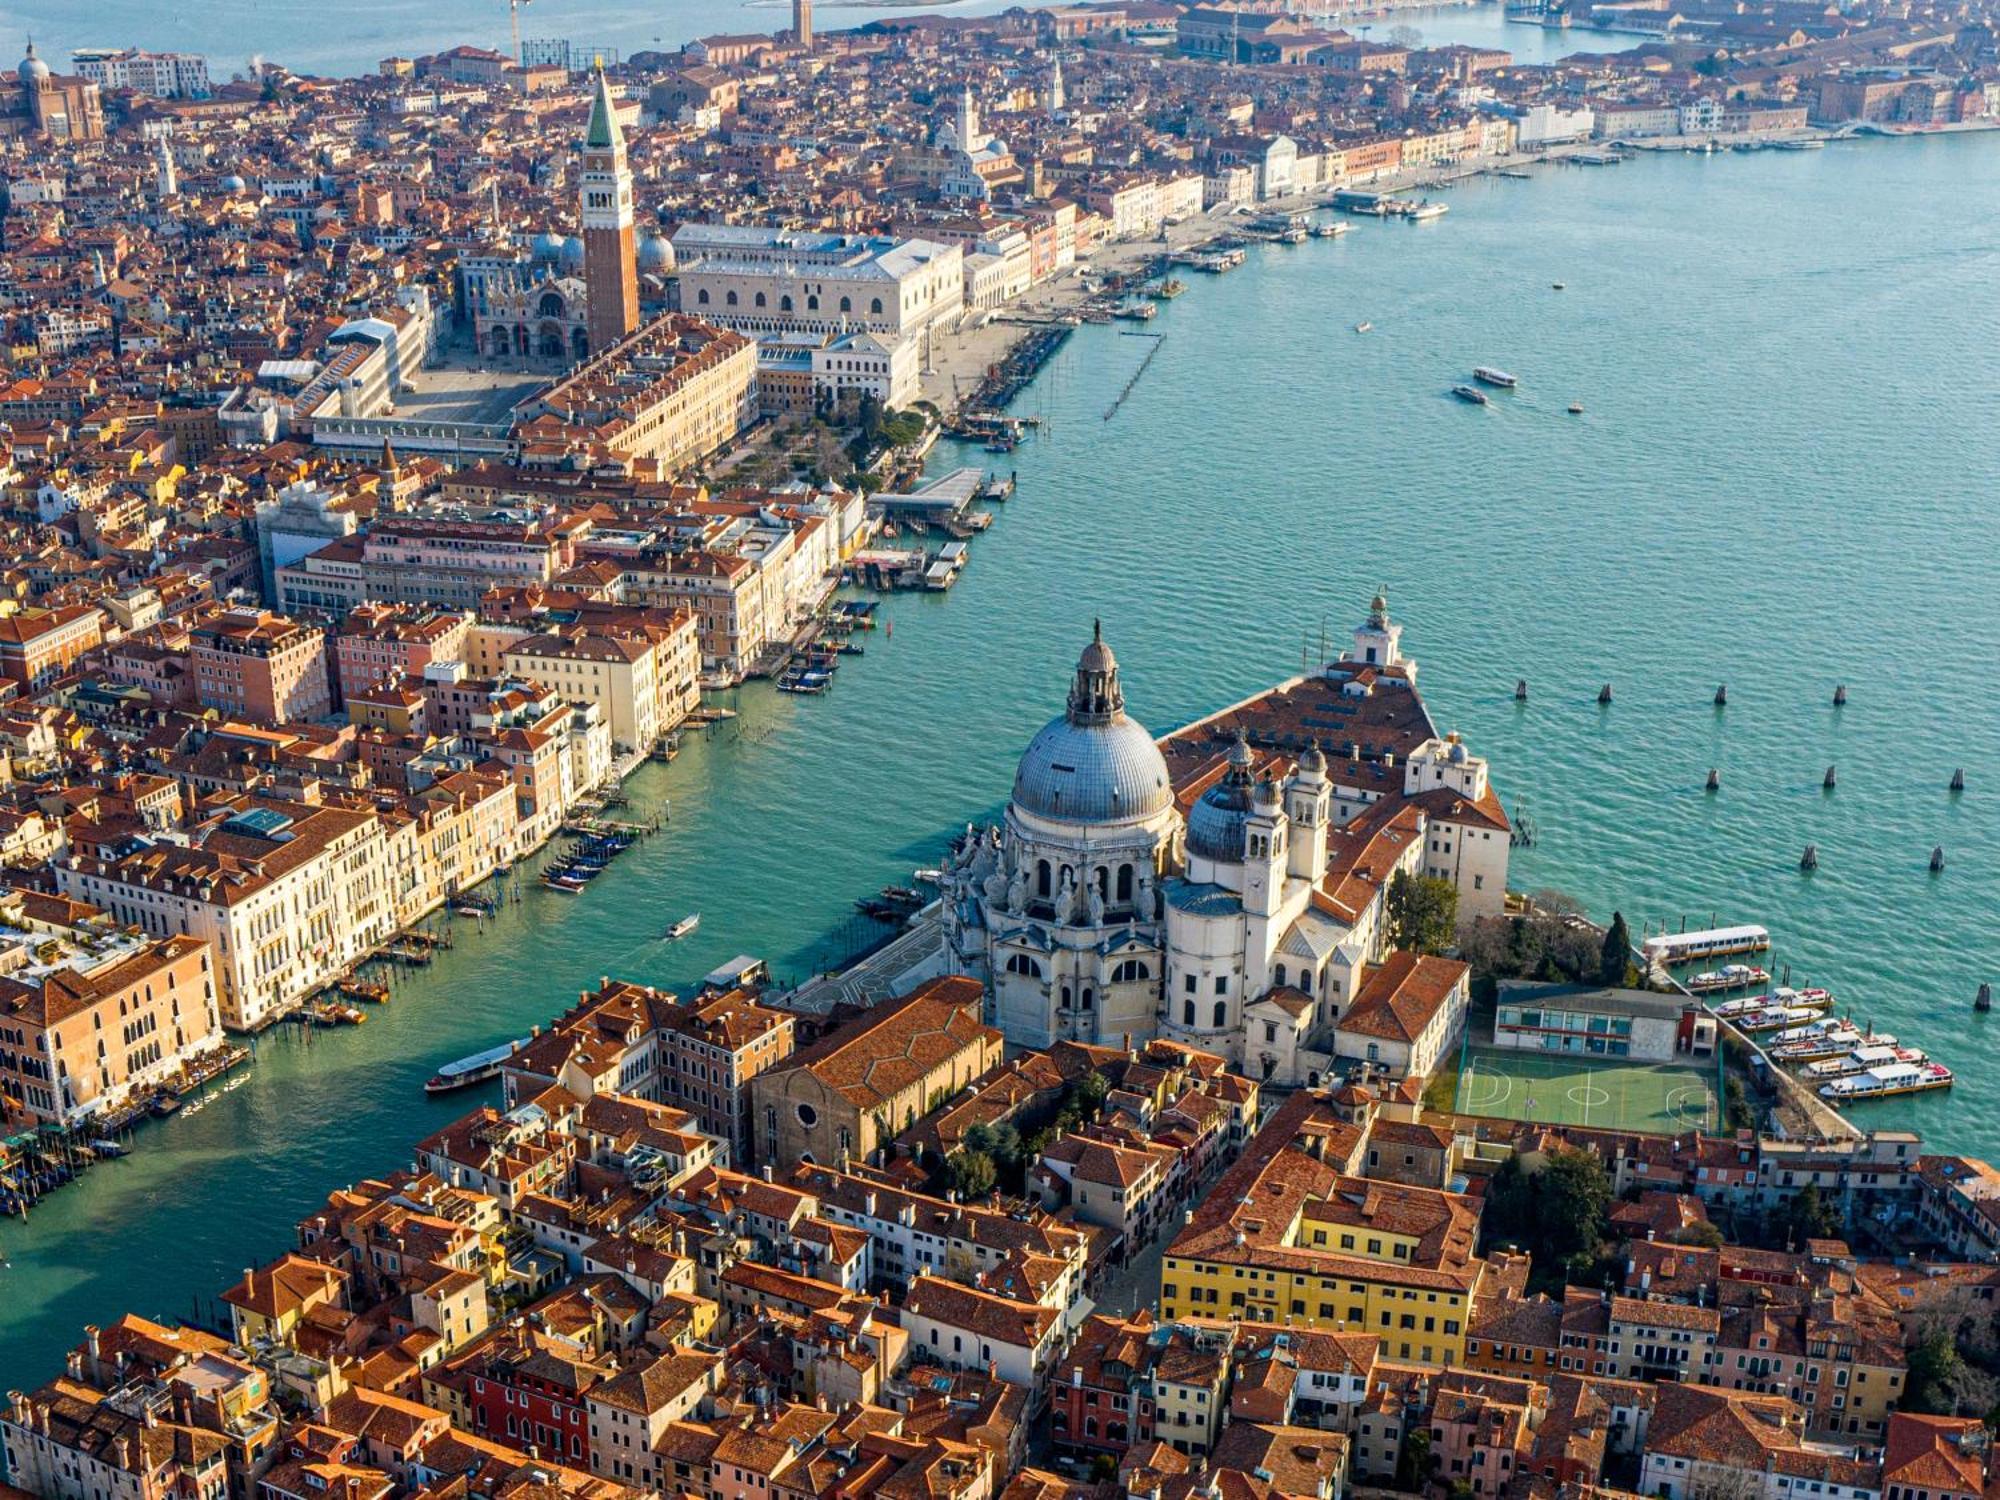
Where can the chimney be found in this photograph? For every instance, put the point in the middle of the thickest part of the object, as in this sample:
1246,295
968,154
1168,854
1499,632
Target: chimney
92,1336
767,1171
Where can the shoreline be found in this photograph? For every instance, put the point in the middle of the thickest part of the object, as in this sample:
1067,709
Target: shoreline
960,360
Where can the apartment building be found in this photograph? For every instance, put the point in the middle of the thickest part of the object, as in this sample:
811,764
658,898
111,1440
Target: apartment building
287,896
249,663
91,1015
38,645
1289,1234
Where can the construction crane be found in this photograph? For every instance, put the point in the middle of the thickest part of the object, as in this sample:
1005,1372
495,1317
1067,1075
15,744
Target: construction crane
514,14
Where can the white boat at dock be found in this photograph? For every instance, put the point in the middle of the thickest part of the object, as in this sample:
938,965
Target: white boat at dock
1777,1018
1748,1004
477,1068
1860,1060
1728,977
1673,948
1808,1031
1888,1081
1835,1042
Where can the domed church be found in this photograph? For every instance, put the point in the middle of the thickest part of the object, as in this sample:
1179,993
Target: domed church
1226,887
1061,901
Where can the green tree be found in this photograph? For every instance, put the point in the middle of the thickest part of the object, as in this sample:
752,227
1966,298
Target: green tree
970,1173
1616,957
1090,1092
1554,1207
1810,1217
1423,912
1935,1370
1413,1460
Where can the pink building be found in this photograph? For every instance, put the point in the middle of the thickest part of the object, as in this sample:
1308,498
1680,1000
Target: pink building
259,666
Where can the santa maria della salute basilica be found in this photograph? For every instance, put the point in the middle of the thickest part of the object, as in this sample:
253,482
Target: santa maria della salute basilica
1226,886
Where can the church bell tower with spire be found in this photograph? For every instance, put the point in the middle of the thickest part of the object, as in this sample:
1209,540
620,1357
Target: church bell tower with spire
610,253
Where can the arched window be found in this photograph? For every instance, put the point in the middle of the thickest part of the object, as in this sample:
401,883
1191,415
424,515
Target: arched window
812,302
1041,877
1129,972
875,306
785,303
1087,1000
846,304
552,305
702,296
1187,1013
1020,963
760,299
1090,1427
1103,878
1125,882
730,299
1065,996
1278,975
1221,1014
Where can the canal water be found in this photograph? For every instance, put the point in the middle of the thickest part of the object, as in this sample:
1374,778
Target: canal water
1783,480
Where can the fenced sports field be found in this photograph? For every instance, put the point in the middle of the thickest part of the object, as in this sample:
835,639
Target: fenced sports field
1604,1093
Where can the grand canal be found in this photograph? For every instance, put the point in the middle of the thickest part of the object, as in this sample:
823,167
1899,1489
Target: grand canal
1783,480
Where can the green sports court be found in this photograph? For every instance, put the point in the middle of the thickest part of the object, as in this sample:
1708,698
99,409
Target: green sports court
1604,1093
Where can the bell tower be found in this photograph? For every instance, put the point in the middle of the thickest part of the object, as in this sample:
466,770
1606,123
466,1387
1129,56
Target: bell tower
610,253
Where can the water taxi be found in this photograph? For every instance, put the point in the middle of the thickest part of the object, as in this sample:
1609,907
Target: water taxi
1728,977
1776,1018
468,1071
1832,1044
1860,1060
1744,1005
1488,375
1471,395
684,926
1576,408
1808,1031
1330,229
1364,327
1423,213
1672,948
1887,1081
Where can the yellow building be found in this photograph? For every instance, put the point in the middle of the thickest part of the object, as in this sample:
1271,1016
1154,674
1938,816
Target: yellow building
1291,1236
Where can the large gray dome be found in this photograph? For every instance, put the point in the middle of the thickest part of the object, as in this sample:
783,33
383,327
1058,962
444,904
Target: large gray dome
1094,764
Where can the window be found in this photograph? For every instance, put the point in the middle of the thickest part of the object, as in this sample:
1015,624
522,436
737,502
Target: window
847,304
1125,882
808,1116
1189,984
730,298
1221,1014
1187,1013
875,307
1278,975
1222,984
785,303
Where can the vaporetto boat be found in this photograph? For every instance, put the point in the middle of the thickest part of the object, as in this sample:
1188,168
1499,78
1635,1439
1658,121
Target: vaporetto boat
1888,1081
